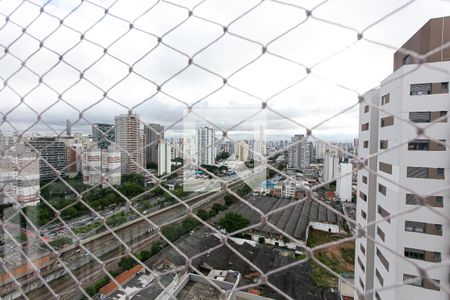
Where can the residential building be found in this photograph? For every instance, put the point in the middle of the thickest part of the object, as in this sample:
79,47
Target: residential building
103,134
320,148
421,166
19,175
101,166
52,153
344,182
164,158
154,133
130,142
299,153
242,151
206,148
366,191
330,164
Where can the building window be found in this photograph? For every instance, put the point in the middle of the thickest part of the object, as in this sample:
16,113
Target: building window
362,196
363,250
365,127
420,89
406,60
383,144
363,214
427,173
381,233
364,179
434,201
379,277
387,168
366,144
383,259
382,189
385,99
361,265
426,145
387,121
420,227
366,109
423,255
428,116
361,283
382,212
444,86
432,284
428,88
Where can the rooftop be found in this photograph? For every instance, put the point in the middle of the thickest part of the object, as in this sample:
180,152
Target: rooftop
293,220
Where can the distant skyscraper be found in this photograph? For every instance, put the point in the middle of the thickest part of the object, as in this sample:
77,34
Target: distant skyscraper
53,156
101,166
19,175
68,128
102,134
206,148
164,159
153,134
299,153
344,182
129,139
330,164
242,151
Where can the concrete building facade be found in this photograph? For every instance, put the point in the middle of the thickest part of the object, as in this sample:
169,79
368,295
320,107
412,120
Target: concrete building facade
414,165
299,153
52,156
19,176
206,148
154,133
103,134
130,142
344,182
101,166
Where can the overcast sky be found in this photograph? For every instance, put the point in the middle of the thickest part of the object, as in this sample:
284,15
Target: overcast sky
332,86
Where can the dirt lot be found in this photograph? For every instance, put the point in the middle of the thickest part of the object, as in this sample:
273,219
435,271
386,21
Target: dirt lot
340,258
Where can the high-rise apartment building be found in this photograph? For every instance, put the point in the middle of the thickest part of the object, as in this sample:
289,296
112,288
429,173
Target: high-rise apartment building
154,133
130,142
242,152
206,147
19,175
407,164
330,164
52,156
299,153
164,158
344,182
101,166
320,148
103,134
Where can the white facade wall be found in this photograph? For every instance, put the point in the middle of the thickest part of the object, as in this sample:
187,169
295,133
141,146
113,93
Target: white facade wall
164,161
344,182
206,147
19,176
330,165
389,190
101,166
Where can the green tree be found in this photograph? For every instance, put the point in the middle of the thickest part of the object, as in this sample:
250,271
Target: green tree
203,214
126,263
233,221
229,199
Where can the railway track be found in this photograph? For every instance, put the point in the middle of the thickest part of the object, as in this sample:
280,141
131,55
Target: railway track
67,288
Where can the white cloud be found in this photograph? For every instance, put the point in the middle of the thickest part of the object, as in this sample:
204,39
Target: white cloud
86,30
